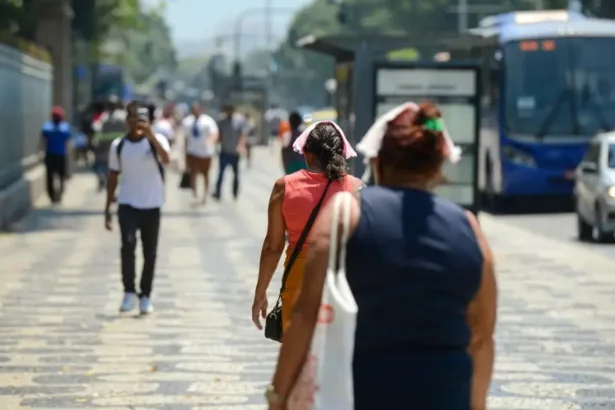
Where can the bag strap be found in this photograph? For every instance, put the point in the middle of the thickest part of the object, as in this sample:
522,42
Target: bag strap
303,237
341,211
118,151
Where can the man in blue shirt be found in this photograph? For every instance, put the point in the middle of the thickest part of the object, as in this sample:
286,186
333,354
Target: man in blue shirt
55,138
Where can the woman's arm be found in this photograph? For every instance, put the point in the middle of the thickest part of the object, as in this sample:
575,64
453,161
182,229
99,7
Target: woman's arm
273,246
481,318
298,337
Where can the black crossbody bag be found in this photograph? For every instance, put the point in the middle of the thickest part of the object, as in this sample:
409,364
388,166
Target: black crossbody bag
273,322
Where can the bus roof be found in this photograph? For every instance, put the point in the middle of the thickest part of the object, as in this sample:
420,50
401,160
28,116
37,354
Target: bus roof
543,24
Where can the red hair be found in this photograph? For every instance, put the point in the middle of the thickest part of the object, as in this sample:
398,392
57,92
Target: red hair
409,146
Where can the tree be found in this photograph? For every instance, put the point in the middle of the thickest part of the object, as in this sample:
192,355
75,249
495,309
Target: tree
94,20
150,50
307,71
17,17
143,37
304,73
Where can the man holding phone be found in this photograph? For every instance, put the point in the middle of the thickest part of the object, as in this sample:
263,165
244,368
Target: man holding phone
139,156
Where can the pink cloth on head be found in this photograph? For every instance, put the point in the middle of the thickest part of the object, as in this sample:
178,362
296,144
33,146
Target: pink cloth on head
299,144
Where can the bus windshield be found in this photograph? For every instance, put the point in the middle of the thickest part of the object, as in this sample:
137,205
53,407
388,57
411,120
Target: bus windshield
560,87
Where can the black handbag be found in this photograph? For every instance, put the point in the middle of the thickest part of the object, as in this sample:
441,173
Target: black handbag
185,181
273,322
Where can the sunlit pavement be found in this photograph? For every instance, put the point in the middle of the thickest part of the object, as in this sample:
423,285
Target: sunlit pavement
64,346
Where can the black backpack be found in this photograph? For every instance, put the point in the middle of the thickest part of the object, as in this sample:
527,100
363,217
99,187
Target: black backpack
118,150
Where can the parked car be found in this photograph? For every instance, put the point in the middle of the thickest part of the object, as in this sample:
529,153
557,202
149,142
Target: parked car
594,190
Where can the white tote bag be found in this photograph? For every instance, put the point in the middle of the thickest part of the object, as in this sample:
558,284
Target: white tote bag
325,382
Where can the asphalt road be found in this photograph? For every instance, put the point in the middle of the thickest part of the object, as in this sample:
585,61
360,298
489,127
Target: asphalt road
558,226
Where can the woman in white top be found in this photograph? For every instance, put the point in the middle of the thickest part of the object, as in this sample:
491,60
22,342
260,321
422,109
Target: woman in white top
201,134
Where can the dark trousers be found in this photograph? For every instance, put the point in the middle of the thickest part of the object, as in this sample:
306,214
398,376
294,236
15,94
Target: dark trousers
55,166
147,222
225,160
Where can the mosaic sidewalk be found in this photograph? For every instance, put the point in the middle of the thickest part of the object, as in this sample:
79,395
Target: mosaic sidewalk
64,346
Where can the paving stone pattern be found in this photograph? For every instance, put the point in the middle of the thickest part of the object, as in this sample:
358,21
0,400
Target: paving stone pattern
64,346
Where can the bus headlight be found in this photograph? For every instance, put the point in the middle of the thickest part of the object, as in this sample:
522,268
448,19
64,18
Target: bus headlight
611,192
518,157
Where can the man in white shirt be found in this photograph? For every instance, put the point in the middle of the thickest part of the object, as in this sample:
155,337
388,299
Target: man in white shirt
201,134
139,156
165,127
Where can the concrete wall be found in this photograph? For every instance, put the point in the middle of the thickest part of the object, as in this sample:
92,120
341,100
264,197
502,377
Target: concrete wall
25,103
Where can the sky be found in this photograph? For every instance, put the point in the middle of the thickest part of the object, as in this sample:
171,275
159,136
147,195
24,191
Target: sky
195,23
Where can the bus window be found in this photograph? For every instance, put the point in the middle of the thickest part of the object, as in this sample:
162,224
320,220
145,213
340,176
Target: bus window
535,83
594,81
568,79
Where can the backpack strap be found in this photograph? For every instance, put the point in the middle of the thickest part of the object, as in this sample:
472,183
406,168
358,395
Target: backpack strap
118,151
120,146
160,167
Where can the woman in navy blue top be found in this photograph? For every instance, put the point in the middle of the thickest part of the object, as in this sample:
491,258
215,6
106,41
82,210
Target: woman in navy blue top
422,275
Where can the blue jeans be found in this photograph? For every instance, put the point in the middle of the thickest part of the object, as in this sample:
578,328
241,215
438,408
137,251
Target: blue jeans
224,161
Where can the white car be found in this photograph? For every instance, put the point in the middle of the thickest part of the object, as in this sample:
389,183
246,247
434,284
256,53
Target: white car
594,190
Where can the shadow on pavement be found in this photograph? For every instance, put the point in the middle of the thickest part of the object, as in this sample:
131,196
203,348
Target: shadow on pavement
525,206
44,219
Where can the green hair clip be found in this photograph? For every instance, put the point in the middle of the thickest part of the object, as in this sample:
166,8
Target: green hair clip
434,124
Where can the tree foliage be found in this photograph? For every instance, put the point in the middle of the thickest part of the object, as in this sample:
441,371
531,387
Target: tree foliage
307,71
142,33
17,18
149,49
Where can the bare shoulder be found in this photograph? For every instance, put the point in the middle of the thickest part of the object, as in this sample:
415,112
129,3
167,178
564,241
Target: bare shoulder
278,189
473,220
480,236
356,183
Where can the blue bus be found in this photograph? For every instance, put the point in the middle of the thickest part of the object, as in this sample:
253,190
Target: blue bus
548,86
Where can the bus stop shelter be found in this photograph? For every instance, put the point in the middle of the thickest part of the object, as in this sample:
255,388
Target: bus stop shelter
369,84
354,71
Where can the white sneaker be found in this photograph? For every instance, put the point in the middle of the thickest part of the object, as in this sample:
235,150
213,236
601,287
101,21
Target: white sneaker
145,305
128,303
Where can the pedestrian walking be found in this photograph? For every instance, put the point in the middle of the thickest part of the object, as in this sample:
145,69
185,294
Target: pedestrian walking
165,125
55,141
293,207
233,139
251,137
292,160
421,272
201,134
139,157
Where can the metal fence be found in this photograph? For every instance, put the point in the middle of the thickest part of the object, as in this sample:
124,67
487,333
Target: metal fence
25,103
